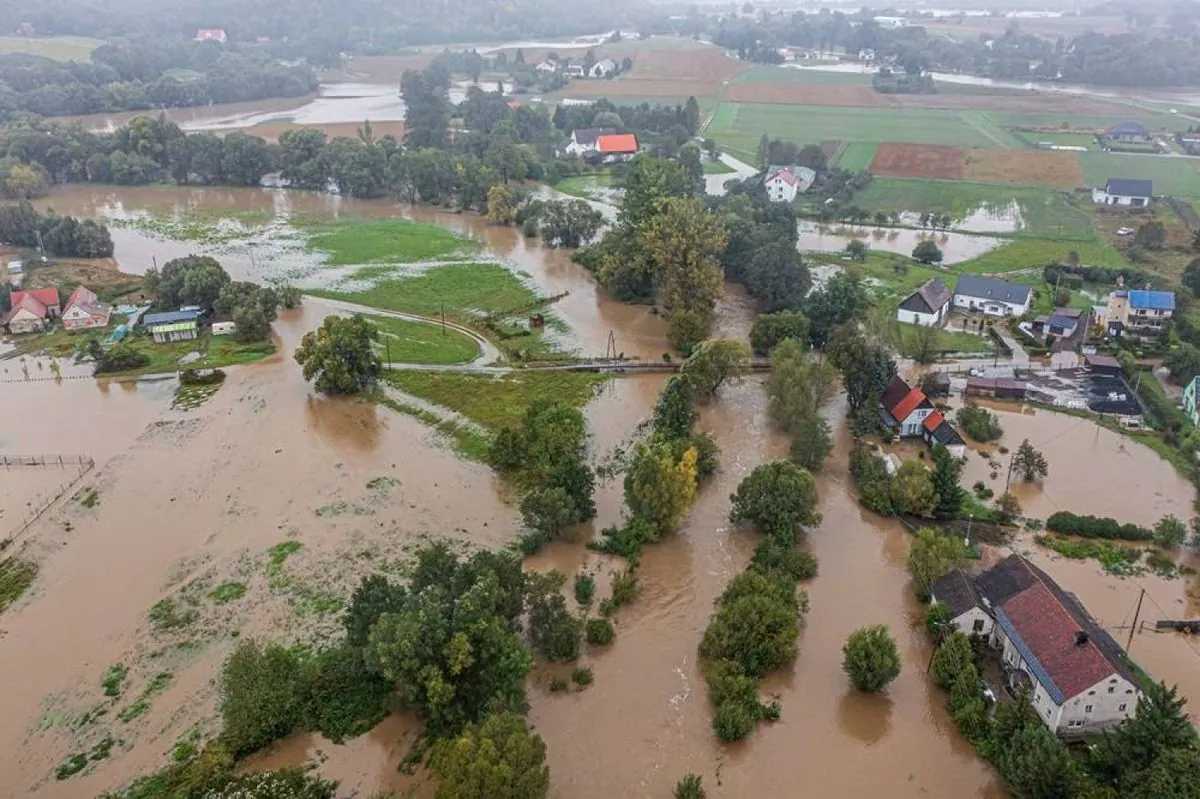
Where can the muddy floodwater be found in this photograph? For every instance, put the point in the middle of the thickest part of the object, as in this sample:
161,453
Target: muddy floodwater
189,500
955,246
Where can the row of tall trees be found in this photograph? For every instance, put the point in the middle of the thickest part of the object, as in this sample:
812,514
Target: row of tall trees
66,236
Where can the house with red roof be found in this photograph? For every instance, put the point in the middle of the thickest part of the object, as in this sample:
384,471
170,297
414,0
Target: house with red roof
84,311
908,413
617,146
211,35
31,310
783,183
1079,679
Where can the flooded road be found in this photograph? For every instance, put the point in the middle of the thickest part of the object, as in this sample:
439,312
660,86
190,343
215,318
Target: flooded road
189,499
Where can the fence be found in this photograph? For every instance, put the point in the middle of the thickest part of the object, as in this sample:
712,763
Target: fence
79,466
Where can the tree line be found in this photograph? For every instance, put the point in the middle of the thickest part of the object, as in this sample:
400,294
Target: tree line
21,225
143,74
1140,58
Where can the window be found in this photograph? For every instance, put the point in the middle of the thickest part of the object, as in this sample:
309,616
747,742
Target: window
1091,693
977,626
1076,723
1112,689
1087,708
1121,707
1128,690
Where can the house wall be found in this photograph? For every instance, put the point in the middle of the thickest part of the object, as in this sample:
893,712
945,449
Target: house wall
25,322
1102,197
780,191
1189,402
1112,700
966,622
990,307
918,318
75,319
912,426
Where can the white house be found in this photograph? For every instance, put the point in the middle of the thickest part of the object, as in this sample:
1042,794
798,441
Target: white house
84,311
928,305
1125,192
584,140
1079,679
603,68
783,183
211,35
547,66
905,408
993,297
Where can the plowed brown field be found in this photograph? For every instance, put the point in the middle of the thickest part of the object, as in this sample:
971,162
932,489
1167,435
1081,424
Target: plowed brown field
1060,170
709,65
919,161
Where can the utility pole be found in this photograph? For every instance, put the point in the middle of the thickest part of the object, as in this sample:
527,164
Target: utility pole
1008,479
443,318
1133,627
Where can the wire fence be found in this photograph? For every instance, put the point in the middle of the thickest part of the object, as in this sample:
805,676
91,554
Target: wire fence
76,466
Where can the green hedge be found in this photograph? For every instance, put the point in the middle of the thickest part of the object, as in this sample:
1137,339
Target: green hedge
1096,527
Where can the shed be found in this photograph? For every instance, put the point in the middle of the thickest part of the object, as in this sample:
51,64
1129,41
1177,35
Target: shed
175,331
1000,388
1103,364
224,328
170,317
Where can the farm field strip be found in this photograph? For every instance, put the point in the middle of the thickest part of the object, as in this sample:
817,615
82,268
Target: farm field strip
1174,175
856,156
59,48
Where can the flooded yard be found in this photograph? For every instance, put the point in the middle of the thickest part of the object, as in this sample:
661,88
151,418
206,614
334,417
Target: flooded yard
955,246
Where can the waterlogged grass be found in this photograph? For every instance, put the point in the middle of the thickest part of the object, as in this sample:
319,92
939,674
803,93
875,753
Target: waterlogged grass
586,186
1117,560
496,402
1036,253
228,592
402,341
465,441
114,679
16,576
464,290
168,615
393,241
141,705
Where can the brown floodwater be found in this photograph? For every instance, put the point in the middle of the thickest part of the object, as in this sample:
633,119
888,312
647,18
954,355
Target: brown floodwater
201,495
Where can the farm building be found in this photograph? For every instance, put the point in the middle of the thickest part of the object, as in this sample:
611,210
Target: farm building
28,314
615,146
211,35
84,311
1102,364
936,430
1062,323
1139,312
1125,192
224,328
173,325
1128,132
603,68
928,305
993,297
1080,680
783,183
909,414
997,388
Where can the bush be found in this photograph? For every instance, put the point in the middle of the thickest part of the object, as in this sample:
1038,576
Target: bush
585,589
734,721
979,423
770,556
1096,527
870,658
260,696
625,586
599,632
689,788
582,676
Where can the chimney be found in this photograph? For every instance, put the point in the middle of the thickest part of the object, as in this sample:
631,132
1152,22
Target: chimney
1081,638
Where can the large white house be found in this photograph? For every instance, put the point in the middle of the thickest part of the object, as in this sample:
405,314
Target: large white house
1079,679
584,140
783,183
928,305
1124,192
993,297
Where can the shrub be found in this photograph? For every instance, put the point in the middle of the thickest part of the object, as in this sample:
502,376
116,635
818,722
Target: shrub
771,556
979,423
599,632
582,676
260,696
870,658
734,721
1096,527
585,588
689,788
625,586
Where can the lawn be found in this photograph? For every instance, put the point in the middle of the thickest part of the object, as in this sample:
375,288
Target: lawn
1152,120
891,276
947,340
717,168
463,290
402,341
856,156
740,125
584,185
393,241
1176,176
1032,138
1044,213
496,401
58,48
820,77
1036,253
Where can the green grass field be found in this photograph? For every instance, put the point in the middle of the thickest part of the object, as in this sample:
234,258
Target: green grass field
59,48
1036,253
947,340
716,168
812,77
1176,176
392,241
402,341
1033,138
1152,120
856,156
461,288
1045,213
740,125
585,185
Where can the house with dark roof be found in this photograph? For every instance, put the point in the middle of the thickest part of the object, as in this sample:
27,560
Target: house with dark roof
908,413
1128,132
1125,192
1062,323
1138,312
928,305
993,297
1079,679
936,430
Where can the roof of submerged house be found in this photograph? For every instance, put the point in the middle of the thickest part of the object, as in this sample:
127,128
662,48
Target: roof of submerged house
956,591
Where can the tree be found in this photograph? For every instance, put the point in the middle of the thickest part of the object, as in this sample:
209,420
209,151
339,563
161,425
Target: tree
691,112
1009,508
954,656
548,512
933,555
771,328
812,442
1029,463
1161,725
777,498
660,486
684,243
252,324
1183,362
927,252
191,280
497,759
858,250
979,423
674,413
500,205
340,355
946,470
713,363
866,368
427,104
290,783
260,696
1170,532
925,345
870,658
764,147
375,596
553,631
1034,763
568,223
689,788
837,302
1150,236
776,276
1175,774
912,490
244,159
